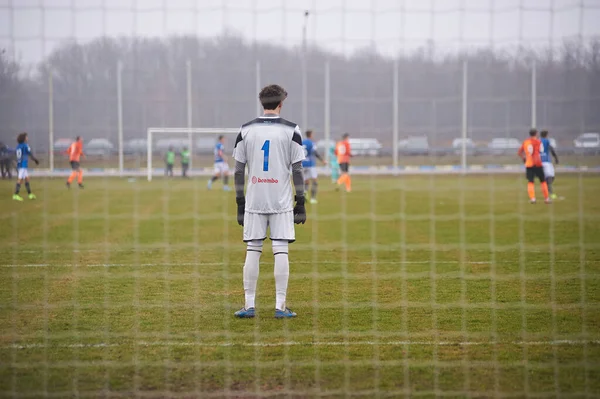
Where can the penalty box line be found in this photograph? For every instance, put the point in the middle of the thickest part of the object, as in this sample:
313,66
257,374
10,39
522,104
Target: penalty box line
561,342
300,262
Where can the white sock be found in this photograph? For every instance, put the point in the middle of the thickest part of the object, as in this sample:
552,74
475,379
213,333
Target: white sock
251,267
282,272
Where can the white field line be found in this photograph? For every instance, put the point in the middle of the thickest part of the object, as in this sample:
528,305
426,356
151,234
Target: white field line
562,342
171,264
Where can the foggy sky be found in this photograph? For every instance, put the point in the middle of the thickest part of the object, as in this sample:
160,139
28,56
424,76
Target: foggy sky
32,28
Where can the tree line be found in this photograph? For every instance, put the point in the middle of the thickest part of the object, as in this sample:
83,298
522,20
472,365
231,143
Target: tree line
223,88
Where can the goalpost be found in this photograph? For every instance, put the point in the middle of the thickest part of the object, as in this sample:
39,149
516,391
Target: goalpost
183,134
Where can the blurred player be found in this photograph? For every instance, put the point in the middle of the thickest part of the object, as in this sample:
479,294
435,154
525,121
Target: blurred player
221,166
185,161
75,152
530,154
333,164
309,164
6,161
23,152
270,146
545,150
343,153
169,162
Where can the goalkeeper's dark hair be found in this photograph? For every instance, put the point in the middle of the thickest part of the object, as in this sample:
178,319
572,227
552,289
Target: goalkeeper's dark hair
271,96
345,136
533,132
544,133
21,137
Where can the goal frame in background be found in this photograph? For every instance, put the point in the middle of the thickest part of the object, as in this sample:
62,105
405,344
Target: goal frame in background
152,131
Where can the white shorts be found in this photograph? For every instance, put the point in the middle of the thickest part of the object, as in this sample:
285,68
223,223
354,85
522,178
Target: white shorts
310,172
281,226
548,169
221,168
22,173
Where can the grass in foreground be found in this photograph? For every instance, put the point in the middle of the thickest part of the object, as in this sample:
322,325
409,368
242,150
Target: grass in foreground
407,286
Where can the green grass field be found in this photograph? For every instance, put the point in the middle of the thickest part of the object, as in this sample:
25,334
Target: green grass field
411,286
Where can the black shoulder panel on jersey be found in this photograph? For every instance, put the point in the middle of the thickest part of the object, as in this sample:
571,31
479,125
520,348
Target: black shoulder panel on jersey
253,121
238,139
297,138
287,123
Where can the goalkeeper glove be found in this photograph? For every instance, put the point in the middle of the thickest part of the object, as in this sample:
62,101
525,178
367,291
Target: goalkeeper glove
241,209
299,210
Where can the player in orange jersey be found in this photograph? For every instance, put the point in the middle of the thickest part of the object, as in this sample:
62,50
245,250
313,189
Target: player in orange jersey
343,153
530,154
75,152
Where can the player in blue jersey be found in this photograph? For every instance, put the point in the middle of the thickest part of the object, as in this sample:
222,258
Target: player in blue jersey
333,164
221,167
23,152
310,165
545,150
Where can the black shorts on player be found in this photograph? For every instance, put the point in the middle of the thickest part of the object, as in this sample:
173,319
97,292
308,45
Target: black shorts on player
74,165
533,172
344,167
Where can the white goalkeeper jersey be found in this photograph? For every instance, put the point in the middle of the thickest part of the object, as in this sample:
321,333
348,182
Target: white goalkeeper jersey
269,145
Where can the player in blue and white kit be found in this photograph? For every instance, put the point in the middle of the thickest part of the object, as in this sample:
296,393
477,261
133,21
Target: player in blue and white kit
221,167
310,165
545,150
23,152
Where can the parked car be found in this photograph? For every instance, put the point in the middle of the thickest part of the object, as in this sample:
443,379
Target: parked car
588,140
504,145
135,146
370,147
416,145
457,145
162,145
206,145
61,145
99,147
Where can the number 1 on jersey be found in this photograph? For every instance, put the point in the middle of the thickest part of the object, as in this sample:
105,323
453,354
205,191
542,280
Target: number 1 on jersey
265,149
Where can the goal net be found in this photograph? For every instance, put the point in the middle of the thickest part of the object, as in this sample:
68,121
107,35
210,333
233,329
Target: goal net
427,274
200,142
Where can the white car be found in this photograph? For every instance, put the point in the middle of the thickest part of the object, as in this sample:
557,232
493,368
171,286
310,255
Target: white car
458,143
416,145
502,145
136,146
61,145
101,147
162,145
588,140
370,147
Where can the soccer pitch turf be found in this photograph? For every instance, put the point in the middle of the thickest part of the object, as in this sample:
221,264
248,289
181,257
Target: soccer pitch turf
408,286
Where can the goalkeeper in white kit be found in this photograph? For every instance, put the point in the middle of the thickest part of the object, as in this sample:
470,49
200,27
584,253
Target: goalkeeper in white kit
270,146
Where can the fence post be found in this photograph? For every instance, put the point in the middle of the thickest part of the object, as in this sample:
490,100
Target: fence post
533,95
395,117
327,119
464,117
51,119
120,114
189,101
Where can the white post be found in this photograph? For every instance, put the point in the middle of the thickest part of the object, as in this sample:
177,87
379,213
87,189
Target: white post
395,116
188,66
51,118
327,127
304,76
258,106
464,119
149,154
120,114
533,95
